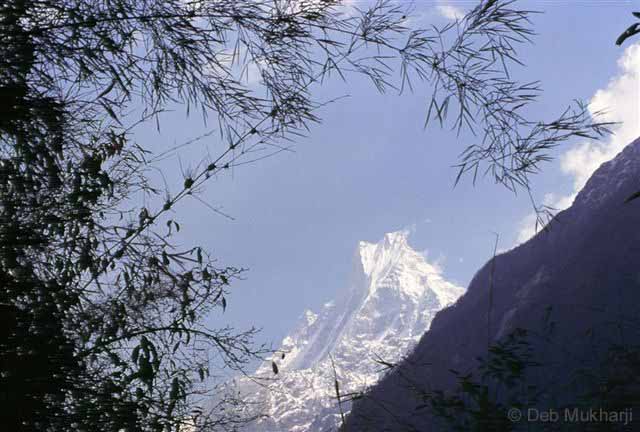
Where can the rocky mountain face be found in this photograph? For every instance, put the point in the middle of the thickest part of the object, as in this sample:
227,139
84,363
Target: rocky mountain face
389,302
575,288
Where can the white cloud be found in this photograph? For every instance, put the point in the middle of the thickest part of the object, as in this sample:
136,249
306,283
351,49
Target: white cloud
450,12
526,228
620,102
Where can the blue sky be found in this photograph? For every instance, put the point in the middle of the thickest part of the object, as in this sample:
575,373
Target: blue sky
370,168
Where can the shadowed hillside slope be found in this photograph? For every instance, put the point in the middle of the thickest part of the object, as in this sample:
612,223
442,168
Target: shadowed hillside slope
575,288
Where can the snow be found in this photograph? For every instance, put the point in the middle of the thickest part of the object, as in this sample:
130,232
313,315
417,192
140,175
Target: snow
390,300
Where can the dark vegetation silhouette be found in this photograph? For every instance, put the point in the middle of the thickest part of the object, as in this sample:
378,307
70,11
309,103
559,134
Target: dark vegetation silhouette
102,313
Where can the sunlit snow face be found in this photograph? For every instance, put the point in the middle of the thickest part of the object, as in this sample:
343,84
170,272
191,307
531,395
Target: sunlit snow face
388,304
390,300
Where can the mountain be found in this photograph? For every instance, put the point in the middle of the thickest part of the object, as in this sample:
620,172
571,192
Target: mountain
574,289
390,299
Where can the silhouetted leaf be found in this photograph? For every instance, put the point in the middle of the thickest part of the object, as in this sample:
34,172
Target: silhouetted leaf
632,197
630,31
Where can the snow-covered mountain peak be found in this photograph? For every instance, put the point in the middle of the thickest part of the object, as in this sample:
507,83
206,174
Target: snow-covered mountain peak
394,263
387,277
391,297
376,255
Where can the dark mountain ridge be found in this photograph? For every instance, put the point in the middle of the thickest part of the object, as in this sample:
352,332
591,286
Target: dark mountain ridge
575,288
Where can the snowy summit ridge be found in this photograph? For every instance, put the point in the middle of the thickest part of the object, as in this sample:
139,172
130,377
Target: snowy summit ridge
391,297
